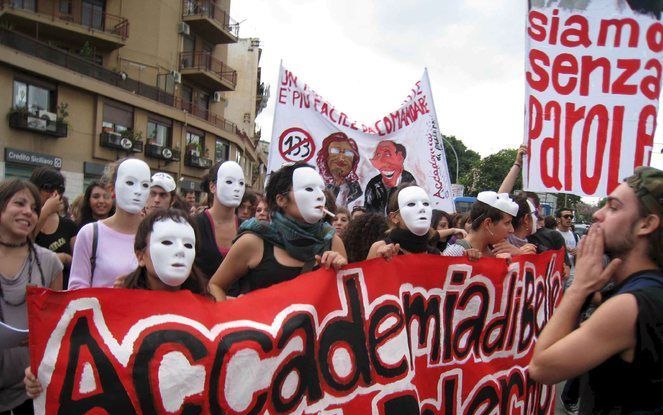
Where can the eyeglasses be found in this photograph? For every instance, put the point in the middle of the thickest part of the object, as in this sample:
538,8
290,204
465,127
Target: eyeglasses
568,216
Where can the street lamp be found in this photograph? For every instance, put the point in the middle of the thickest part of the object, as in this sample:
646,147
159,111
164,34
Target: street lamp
455,154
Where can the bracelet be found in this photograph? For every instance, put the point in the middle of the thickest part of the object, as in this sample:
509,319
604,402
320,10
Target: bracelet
517,164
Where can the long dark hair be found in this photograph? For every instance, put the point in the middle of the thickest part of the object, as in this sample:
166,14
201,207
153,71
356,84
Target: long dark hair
138,278
85,214
361,233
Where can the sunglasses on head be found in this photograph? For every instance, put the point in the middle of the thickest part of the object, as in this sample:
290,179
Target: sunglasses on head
568,216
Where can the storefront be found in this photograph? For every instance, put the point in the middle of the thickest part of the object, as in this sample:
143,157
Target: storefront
19,164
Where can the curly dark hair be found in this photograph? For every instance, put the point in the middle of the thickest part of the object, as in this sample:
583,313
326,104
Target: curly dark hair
361,233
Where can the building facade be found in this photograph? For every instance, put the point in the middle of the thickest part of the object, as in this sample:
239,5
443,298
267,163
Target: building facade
86,82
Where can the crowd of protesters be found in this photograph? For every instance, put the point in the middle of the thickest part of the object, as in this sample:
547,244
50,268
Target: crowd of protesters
131,229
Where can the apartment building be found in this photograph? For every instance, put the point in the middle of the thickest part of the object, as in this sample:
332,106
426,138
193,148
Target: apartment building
86,82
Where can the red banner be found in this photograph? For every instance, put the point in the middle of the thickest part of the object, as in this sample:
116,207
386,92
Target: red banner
417,335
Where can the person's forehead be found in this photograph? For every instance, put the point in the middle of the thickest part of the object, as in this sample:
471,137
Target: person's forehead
624,194
386,145
158,189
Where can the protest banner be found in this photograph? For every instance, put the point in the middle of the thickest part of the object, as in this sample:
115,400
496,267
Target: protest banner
593,77
420,334
361,163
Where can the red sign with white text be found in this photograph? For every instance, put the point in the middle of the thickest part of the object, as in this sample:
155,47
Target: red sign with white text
420,334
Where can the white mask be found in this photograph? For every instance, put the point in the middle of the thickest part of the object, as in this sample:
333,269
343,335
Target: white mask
230,184
132,186
307,186
172,251
415,209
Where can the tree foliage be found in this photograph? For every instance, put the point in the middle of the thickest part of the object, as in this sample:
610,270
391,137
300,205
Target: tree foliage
468,159
489,173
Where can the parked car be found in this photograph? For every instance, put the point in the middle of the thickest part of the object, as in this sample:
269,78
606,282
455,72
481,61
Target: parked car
581,228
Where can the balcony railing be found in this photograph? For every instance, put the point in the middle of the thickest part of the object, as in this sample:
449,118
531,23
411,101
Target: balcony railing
30,122
51,54
90,19
193,159
117,141
162,152
206,115
209,9
204,61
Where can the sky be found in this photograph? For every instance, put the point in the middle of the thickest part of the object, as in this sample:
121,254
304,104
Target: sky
363,56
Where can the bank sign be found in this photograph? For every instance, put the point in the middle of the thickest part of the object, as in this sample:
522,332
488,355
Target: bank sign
34,159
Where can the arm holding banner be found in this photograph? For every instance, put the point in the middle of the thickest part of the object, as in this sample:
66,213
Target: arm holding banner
510,180
609,331
336,258
244,253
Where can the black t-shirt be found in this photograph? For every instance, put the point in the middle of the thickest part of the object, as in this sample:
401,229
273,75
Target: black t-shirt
620,387
59,242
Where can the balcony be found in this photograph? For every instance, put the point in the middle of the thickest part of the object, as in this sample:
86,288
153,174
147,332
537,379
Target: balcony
205,70
206,115
162,152
193,159
105,31
24,120
59,57
117,141
209,21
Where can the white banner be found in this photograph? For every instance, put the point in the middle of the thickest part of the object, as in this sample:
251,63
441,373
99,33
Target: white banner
592,84
361,164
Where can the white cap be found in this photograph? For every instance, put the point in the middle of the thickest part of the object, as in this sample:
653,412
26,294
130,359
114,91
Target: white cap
163,180
500,201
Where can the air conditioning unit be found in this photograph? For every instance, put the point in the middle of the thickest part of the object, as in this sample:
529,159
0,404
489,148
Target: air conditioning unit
45,115
177,77
183,28
218,96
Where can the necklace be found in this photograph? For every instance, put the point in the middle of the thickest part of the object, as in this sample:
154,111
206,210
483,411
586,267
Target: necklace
18,245
32,258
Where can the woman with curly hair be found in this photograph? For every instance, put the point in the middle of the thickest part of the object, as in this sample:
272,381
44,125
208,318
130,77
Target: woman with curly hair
361,233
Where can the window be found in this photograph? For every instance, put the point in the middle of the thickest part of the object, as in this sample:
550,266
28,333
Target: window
65,8
158,133
221,150
202,100
239,157
33,97
117,117
93,13
195,143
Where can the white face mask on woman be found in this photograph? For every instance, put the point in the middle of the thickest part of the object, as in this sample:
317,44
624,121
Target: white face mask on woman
172,251
230,184
132,185
308,186
415,209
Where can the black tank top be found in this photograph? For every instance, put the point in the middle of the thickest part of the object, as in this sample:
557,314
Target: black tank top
268,272
619,387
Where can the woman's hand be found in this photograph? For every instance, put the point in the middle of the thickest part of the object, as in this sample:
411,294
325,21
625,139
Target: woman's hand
389,251
32,386
473,254
331,259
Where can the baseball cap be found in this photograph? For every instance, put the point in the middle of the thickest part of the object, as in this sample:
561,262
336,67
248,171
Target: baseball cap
647,182
163,180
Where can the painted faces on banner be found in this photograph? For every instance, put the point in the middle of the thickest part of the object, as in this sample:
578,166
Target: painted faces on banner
415,209
172,251
132,186
230,184
337,162
388,159
308,190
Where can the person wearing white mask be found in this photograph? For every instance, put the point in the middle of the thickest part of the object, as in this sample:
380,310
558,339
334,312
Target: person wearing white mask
165,247
217,226
104,249
491,219
409,213
296,240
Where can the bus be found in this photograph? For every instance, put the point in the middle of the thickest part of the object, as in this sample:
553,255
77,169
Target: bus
463,204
